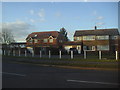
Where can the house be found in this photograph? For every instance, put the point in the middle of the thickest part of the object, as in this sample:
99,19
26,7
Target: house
98,39
44,41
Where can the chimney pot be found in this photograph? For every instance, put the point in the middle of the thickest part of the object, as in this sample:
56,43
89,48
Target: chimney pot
95,27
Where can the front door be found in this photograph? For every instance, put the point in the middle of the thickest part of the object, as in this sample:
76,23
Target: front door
79,49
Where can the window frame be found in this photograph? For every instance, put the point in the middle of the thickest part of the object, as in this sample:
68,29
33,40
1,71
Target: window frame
85,48
78,38
102,37
102,48
45,40
50,40
114,37
87,38
35,41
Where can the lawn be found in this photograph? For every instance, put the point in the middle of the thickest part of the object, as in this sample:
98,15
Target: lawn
95,63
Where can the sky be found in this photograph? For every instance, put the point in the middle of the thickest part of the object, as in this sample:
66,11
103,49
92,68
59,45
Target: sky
23,18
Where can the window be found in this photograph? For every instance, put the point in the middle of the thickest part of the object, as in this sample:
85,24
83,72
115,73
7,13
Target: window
78,38
88,37
91,48
30,41
102,37
102,47
35,35
35,40
114,37
60,41
45,40
50,40
79,49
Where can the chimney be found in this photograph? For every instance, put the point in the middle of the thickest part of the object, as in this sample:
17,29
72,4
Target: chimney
95,27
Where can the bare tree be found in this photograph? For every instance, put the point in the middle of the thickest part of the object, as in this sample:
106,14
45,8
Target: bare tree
6,37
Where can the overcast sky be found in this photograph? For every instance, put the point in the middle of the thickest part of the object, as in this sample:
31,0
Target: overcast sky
23,18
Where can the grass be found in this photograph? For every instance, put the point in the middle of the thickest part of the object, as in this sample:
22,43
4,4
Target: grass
92,59
85,64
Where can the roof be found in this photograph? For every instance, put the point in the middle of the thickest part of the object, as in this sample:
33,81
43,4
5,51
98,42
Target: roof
42,35
97,32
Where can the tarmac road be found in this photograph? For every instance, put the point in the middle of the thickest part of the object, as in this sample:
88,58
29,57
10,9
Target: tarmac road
19,75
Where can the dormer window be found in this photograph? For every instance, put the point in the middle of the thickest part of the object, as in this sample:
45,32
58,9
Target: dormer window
51,37
35,35
50,40
45,40
30,41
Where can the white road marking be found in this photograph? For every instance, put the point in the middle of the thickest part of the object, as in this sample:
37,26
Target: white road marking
13,74
92,82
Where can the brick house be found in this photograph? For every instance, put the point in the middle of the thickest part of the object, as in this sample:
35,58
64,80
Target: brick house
45,40
98,39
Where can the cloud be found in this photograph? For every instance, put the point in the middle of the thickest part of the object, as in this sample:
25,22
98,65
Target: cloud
58,14
19,29
95,12
32,20
41,14
99,17
100,23
42,20
31,12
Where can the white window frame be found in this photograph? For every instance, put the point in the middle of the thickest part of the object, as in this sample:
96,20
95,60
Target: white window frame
102,47
92,48
30,41
114,37
88,37
51,40
45,40
105,37
78,38
35,41
35,35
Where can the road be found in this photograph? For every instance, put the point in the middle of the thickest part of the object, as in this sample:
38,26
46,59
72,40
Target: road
20,75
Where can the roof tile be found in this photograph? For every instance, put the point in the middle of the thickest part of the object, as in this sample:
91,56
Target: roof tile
97,32
42,35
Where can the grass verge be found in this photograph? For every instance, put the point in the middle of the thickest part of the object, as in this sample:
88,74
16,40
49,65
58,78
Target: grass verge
54,61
